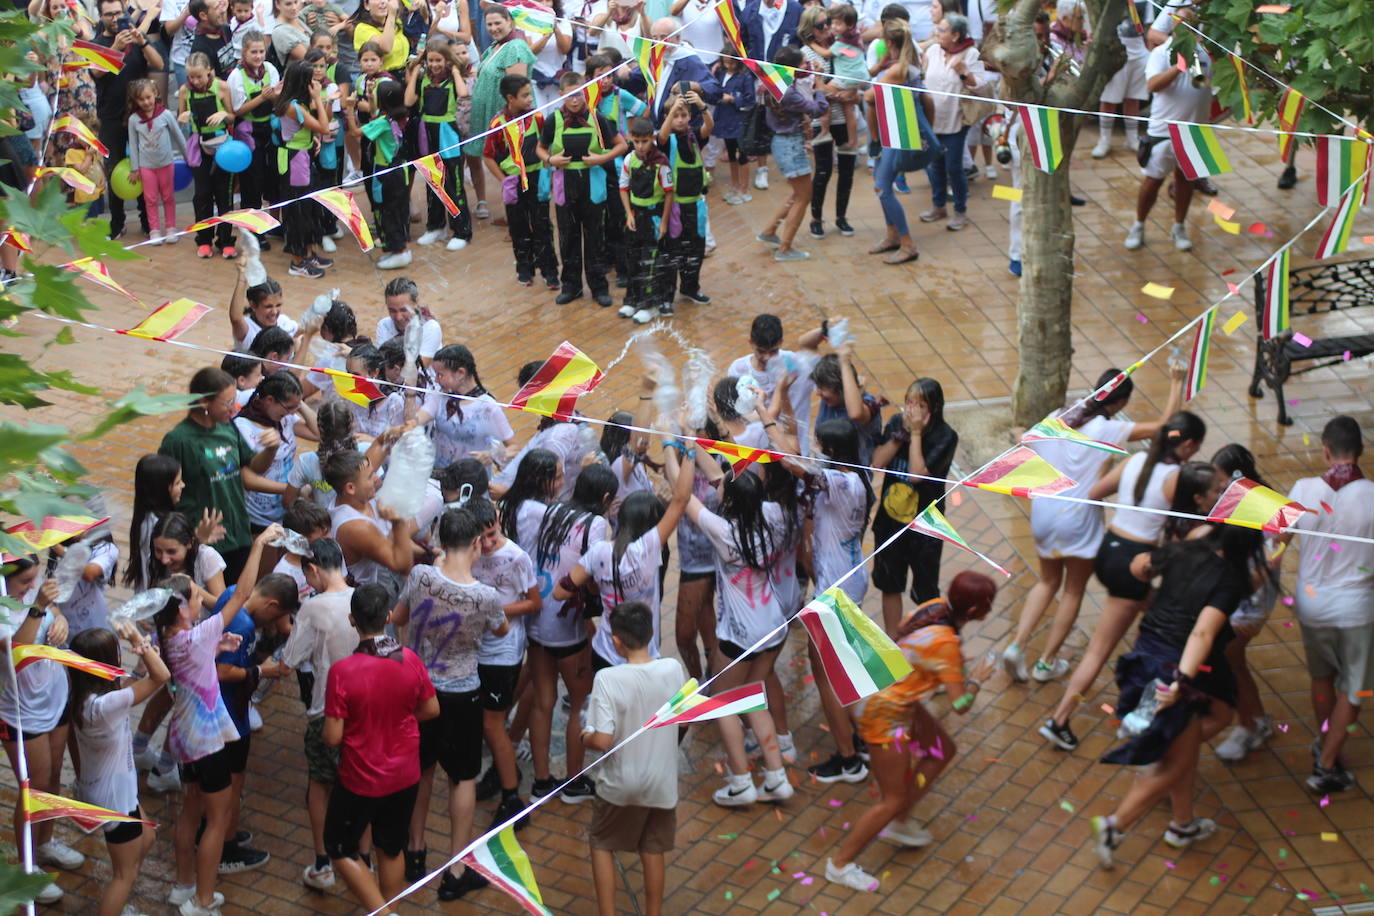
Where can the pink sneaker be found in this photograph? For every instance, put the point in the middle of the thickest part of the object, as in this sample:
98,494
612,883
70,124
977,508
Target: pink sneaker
203,251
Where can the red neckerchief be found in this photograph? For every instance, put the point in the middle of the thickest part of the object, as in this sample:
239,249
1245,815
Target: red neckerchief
959,47
148,120
1341,473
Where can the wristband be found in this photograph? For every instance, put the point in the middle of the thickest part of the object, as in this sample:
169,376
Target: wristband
825,328
774,423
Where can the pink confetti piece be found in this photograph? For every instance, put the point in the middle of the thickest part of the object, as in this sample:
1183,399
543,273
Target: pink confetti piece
835,803
1325,725
1233,289
1336,547
806,882
1288,600
1141,318
1283,728
1326,800
971,817
1170,865
1346,356
1302,339
845,825
1293,403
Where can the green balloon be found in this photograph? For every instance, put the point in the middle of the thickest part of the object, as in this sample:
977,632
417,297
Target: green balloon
123,181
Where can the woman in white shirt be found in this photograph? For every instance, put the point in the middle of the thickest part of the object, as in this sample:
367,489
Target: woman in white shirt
952,65
550,55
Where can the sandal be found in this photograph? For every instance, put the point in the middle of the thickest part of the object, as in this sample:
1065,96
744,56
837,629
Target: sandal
904,258
885,247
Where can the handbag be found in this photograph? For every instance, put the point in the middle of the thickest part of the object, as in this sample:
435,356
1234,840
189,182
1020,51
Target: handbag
757,137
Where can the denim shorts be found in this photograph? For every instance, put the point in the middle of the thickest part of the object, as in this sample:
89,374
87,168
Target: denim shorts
790,154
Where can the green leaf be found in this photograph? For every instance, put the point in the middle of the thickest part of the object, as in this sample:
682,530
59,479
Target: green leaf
65,336
18,888
54,290
20,445
138,403
92,237
41,217
37,506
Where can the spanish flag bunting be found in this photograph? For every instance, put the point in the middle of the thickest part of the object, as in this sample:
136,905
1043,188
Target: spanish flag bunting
98,273
54,530
739,456
1291,104
1336,238
16,239
1202,351
1253,505
1135,16
1053,428
98,56
932,521
354,388
1275,319
341,204
1020,472
70,176
515,142
591,94
499,858
649,55
26,654
41,806
553,390
431,168
858,657
689,705
169,320
1239,66
729,21
77,128
254,221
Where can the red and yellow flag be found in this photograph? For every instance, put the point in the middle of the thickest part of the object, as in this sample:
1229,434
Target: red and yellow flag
77,128
565,376
1253,505
169,320
97,57
729,21
1240,83
739,456
55,530
591,94
355,388
98,273
71,177
255,221
1020,472
431,168
341,204
41,806
1291,104
515,140
16,239
26,654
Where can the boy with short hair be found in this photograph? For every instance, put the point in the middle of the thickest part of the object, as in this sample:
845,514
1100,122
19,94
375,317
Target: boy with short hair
646,193
376,544
617,106
575,142
527,214
635,809
768,362
213,38
686,241
247,373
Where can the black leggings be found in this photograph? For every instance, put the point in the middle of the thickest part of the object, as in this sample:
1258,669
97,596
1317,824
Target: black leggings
825,165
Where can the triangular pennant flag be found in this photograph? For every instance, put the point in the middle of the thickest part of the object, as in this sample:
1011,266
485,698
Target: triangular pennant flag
1105,390
932,521
687,705
16,239
1239,67
169,320
254,221
1202,350
1253,505
1276,317
739,456
895,111
553,390
1198,150
775,77
71,177
97,56
353,388
77,128
591,95
98,273
1043,136
341,204
515,142
54,530
1291,104
431,168
858,657
1135,16
649,56
1020,472
1340,163
501,861
531,18
42,806
1053,428
729,21
1336,239
26,654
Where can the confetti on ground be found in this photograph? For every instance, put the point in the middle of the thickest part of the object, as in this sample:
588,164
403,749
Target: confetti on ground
1170,865
1326,800
1158,290
728,836
956,499
1256,229
774,894
1330,838
1066,806
1214,881
1220,209
1301,339
1283,853
1288,600
806,882
729,895
1233,289
1346,356
1306,439
1233,323
1228,271
1141,318
1283,728
1107,708
1002,192
835,803
1226,225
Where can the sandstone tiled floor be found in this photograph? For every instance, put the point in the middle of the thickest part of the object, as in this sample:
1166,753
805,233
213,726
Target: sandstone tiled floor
1011,817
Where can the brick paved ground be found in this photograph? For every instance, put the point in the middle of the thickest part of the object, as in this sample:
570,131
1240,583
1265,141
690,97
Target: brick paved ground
1010,819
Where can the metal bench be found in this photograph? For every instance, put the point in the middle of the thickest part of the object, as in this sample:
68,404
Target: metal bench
1312,290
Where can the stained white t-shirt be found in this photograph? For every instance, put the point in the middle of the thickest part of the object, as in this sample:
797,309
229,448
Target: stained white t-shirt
563,440
375,419
321,636
42,695
747,605
284,322
1340,574
1068,529
1141,526
108,777
622,699
800,391
468,428
510,571
553,626
266,508
86,608
841,515
431,335
638,582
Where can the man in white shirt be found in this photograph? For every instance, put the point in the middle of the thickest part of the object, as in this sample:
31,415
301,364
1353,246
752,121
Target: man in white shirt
1334,597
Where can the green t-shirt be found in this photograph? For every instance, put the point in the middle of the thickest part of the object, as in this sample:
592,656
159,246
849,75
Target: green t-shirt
212,462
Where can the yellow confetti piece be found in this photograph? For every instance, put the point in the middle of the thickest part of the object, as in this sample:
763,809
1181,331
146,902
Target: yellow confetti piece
1331,837
1158,290
921,780
1306,439
1234,322
1226,225
1002,192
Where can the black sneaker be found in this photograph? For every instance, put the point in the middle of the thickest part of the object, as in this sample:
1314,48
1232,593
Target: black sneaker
451,888
489,786
321,263
842,224
839,769
507,809
1289,178
578,791
553,283
543,788
603,299
698,297
1075,201
1205,186
235,859
524,279
1324,781
1061,736
117,232
565,297
666,310
817,229
415,864
861,748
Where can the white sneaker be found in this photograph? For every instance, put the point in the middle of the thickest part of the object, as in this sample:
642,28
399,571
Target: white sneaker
456,244
1236,746
906,833
776,786
644,316
851,876
155,236
50,894
164,782
353,177
523,752
1045,673
626,311
1179,233
990,171
191,908
321,879
395,261
1136,237
432,236
130,911
170,237
1183,836
146,759
183,892
737,792
254,719
1014,663
328,245
59,854
1103,147
761,178
787,748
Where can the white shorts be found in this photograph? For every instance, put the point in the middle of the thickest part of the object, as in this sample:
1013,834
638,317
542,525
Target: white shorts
1162,161
1127,83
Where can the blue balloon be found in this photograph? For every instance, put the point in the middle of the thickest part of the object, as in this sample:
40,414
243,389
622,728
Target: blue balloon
233,156
181,175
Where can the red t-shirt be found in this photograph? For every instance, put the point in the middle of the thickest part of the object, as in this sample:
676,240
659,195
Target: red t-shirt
376,697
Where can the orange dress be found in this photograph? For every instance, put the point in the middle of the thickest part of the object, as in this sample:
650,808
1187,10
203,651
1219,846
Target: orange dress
936,659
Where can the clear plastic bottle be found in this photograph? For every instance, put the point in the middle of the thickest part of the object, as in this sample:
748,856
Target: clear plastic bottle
314,316
839,333
293,542
67,573
407,476
143,605
253,271
1137,720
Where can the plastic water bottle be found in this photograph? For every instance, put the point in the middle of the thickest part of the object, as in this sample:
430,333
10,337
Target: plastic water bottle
1138,720
327,355
588,443
839,333
293,542
497,450
69,568
142,606
697,377
407,477
253,271
414,336
314,316
746,395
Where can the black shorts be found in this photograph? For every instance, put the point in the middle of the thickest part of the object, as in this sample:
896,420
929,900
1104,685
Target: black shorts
1113,567
349,815
912,551
599,663
212,772
10,734
238,754
733,153
453,739
683,577
498,685
561,652
733,651
125,831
